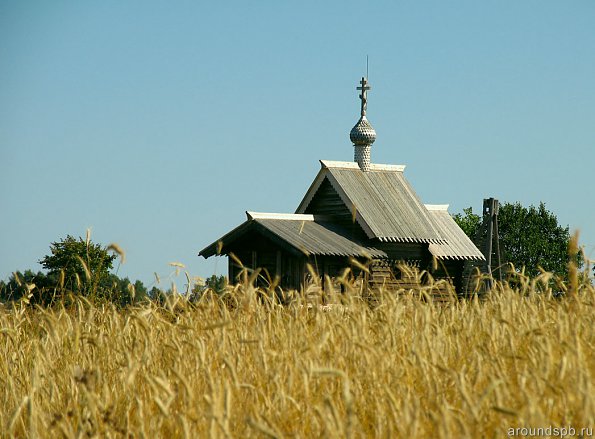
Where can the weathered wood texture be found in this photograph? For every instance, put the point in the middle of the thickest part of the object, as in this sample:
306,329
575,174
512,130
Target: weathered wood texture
327,273
387,205
327,202
402,272
403,277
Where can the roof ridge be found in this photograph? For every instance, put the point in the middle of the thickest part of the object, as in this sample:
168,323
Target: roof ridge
284,216
354,165
383,204
443,207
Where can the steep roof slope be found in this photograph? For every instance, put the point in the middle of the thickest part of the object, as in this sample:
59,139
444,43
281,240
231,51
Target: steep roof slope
458,245
383,202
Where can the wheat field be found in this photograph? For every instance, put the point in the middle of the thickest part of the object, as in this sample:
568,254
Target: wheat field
246,367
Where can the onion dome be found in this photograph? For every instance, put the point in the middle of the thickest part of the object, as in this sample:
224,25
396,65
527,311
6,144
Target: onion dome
362,133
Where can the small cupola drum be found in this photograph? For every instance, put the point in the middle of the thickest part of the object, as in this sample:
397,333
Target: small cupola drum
363,135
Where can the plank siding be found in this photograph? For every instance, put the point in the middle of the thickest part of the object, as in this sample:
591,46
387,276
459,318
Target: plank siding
390,227
327,202
403,277
404,251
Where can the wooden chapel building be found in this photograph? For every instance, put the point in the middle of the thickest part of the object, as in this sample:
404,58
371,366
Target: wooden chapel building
353,211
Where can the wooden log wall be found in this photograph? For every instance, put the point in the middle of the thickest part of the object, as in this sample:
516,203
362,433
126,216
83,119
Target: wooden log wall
327,202
403,277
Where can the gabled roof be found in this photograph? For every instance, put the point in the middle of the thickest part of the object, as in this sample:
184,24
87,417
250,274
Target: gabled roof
304,234
458,245
386,206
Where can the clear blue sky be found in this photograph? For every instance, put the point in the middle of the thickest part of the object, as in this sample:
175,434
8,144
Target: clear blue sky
157,124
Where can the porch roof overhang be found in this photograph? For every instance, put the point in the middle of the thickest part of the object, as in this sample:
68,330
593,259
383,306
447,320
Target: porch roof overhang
299,234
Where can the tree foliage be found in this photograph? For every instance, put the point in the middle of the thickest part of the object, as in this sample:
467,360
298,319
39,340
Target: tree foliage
80,264
214,283
38,287
44,289
469,222
75,266
122,291
530,237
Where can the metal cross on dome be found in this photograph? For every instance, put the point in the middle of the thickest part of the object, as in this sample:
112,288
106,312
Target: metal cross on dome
364,95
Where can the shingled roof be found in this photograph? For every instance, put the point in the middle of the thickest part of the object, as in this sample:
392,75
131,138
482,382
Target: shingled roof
302,234
385,205
458,245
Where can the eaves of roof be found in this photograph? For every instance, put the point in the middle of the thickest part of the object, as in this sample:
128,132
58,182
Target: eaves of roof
386,206
457,245
299,234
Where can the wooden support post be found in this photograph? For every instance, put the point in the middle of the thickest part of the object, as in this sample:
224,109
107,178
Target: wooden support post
490,221
253,261
278,267
497,236
254,264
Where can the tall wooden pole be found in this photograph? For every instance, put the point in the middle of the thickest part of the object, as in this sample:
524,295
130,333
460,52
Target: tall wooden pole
492,239
497,236
488,213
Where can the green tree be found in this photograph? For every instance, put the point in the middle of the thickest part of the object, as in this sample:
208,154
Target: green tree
530,237
74,266
36,287
79,264
122,291
468,221
214,283
157,295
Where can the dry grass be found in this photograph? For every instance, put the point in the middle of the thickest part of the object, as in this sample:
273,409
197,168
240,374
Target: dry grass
403,368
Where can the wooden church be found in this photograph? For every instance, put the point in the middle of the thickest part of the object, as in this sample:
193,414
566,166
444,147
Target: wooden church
354,213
